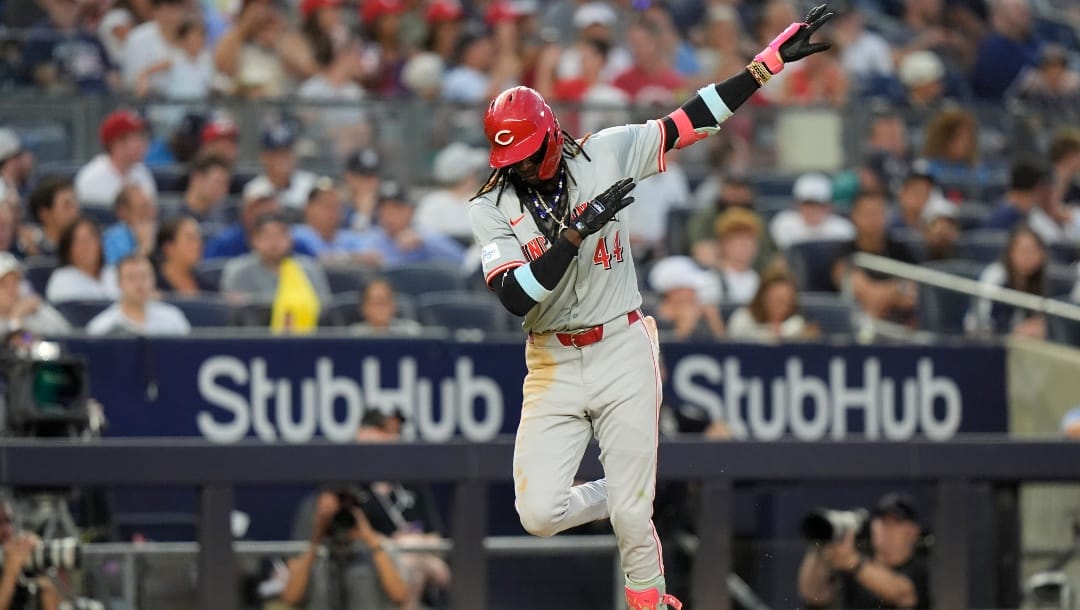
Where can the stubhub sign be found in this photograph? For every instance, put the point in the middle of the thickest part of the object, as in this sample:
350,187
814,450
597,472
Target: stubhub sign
298,389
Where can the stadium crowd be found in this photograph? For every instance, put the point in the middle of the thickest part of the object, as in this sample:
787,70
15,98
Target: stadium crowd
728,246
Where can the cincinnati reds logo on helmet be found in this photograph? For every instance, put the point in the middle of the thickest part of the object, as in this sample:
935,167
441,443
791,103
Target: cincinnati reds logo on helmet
504,137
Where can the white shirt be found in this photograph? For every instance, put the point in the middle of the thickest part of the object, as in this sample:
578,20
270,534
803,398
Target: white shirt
189,78
788,228
98,182
870,54
443,212
161,319
346,113
742,325
145,45
71,284
296,194
739,286
463,84
660,194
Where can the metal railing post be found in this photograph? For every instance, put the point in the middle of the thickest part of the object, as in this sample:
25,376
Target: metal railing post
949,575
712,562
469,561
217,560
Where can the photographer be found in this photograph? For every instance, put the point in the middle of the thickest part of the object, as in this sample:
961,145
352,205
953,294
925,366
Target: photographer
892,576
17,590
347,565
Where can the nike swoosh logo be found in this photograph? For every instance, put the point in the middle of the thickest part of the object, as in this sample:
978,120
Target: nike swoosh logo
514,222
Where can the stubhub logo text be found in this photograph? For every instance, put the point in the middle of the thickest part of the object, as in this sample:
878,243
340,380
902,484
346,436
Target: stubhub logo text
246,398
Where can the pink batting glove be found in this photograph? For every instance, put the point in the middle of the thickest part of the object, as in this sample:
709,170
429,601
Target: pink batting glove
770,55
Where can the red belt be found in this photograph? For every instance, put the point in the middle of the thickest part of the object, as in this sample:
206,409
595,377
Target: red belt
592,335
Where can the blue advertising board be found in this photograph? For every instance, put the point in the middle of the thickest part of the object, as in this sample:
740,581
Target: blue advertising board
294,390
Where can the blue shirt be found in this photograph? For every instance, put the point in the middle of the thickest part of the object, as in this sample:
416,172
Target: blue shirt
79,57
232,242
118,241
434,249
344,241
998,63
1004,217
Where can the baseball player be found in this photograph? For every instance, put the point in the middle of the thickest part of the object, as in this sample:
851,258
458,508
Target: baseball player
554,251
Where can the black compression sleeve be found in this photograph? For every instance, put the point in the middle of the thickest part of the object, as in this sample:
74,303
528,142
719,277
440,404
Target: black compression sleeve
734,91
548,269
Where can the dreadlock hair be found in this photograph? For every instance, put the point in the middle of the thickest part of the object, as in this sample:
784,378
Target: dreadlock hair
500,177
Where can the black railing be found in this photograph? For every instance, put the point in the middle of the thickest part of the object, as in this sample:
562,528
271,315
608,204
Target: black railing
217,469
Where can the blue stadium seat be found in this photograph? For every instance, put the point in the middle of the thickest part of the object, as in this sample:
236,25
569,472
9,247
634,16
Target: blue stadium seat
78,313
253,315
832,314
344,310
457,310
812,262
940,310
677,240
773,185
1063,330
1060,278
1064,252
416,280
347,279
208,274
205,312
38,270
982,245
913,241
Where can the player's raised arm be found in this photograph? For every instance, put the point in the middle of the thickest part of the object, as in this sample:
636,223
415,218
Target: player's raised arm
701,116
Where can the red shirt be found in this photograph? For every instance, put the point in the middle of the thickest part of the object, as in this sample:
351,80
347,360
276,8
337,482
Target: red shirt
644,87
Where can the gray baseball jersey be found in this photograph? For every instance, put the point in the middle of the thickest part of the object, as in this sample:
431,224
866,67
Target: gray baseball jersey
601,284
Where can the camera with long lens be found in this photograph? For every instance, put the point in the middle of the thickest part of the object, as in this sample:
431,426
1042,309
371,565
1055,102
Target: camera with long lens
45,390
342,523
60,553
823,525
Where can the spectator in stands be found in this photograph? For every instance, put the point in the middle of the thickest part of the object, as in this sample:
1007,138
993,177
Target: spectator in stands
149,44
1022,267
177,253
444,21
220,138
812,219
368,568
59,56
254,277
586,86
718,192
14,238
887,153
647,226
206,196
723,53
406,513
894,575
773,313
397,241
880,296
54,206
652,79
123,135
592,21
278,159
864,54
951,147
681,311
738,231
321,20
21,309
362,187
1027,191
1010,47
340,67
16,166
941,229
1053,84
258,199
1065,171
480,73
117,23
819,81
187,71
383,27
379,312
136,225
17,590
82,273
914,195
1070,424
445,210
261,53
923,75
136,311
322,231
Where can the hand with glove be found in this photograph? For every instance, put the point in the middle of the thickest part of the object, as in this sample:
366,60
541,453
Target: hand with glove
794,43
600,210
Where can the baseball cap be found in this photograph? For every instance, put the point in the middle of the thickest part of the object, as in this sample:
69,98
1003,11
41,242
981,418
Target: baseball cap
392,190
499,11
921,68
365,161
371,10
677,272
118,124
813,187
423,72
277,137
898,504
258,189
219,128
444,10
8,264
458,160
9,144
937,206
594,13
308,7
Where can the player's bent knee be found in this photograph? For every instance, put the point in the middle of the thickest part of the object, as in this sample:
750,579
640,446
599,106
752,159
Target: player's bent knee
538,518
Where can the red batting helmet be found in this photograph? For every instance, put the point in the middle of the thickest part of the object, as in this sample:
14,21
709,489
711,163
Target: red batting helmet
516,124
